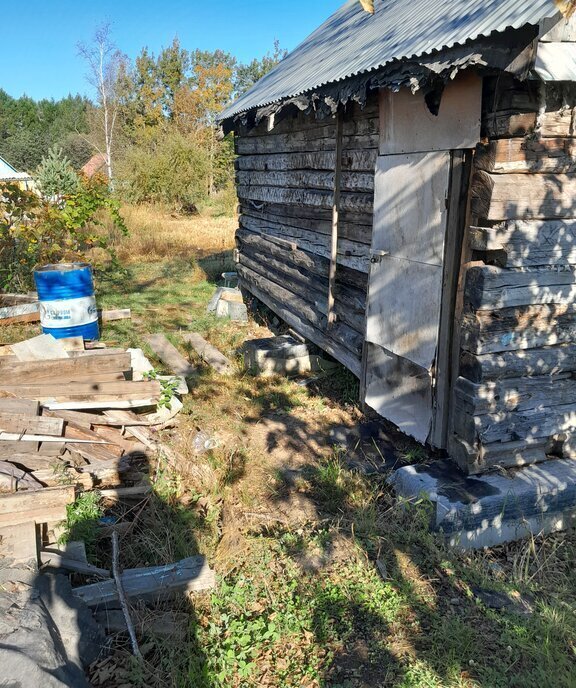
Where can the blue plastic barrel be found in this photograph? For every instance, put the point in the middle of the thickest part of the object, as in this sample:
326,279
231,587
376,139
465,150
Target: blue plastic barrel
67,301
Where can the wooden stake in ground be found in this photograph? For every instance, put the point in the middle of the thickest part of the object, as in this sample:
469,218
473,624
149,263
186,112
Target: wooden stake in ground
122,596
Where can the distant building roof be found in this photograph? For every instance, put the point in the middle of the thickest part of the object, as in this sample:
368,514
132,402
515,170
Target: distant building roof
10,174
97,163
352,42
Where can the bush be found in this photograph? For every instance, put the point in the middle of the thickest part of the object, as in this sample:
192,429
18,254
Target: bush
34,231
173,171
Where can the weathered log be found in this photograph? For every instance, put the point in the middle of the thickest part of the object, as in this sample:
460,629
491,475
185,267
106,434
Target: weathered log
303,259
352,161
306,287
340,332
362,202
526,327
550,360
482,458
490,287
350,254
350,230
305,142
527,155
514,425
516,394
303,326
524,243
523,197
306,179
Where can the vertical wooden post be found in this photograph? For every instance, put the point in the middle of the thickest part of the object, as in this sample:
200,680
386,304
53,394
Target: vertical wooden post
335,219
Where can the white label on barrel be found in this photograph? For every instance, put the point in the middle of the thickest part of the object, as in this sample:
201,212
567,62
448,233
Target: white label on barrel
68,312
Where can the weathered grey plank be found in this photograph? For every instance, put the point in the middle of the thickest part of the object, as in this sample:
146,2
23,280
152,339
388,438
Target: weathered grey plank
525,327
525,243
306,179
351,254
290,143
523,197
490,287
169,355
156,582
550,360
361,202
209,353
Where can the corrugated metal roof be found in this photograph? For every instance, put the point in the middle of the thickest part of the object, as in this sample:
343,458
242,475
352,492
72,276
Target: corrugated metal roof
9,173
352,41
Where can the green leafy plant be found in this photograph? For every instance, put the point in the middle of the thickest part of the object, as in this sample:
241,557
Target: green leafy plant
34,231
168,388
82,519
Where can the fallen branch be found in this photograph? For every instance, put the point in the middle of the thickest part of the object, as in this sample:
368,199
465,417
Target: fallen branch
122,596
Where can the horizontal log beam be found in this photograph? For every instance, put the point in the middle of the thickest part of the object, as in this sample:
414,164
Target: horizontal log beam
523,197
550,360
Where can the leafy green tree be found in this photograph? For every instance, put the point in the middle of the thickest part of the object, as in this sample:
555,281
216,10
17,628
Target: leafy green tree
248,74
55,175
34,232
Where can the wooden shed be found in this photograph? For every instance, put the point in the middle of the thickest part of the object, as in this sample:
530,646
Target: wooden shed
408,202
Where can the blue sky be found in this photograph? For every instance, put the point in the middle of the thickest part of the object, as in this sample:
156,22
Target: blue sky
38,54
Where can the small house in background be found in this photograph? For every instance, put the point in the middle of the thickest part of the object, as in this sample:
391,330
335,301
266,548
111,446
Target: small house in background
10,174
408,202
96,165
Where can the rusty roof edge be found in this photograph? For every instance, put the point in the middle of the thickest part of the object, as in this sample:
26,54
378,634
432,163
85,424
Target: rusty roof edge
238,108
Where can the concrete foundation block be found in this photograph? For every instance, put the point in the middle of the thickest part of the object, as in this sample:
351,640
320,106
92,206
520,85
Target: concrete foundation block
228,303
488,510
281,356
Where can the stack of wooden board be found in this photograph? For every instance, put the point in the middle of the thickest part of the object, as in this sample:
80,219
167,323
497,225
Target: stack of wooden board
60,413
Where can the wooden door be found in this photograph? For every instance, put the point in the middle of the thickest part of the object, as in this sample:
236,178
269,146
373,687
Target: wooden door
405,288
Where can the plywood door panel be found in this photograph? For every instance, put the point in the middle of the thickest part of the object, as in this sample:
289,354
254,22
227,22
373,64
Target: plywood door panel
405,288
409,125
399,390
410,205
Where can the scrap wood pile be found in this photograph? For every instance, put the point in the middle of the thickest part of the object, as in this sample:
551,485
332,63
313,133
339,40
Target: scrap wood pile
73,419
67,414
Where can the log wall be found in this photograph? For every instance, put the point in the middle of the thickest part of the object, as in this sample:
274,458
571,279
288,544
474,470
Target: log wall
285,182
515,399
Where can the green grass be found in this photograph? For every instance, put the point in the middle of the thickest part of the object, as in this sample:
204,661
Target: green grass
304,604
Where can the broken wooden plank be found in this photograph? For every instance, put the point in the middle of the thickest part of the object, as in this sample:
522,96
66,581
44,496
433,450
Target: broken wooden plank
84,418
123,493
169,355
19,544
14,479
157,582
25,312
41,348
41,506
34,462
56,560
78,369
123,390
27,407
12,422
115,314
208,353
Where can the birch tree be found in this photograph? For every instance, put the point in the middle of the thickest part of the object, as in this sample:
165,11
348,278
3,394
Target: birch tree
108,75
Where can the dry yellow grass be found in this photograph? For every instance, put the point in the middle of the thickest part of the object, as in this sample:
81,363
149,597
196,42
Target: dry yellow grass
156,234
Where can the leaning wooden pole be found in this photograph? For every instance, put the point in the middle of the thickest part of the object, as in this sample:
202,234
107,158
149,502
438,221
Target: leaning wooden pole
335,219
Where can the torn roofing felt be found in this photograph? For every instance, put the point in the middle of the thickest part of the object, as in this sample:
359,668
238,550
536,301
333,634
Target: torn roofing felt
353,43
